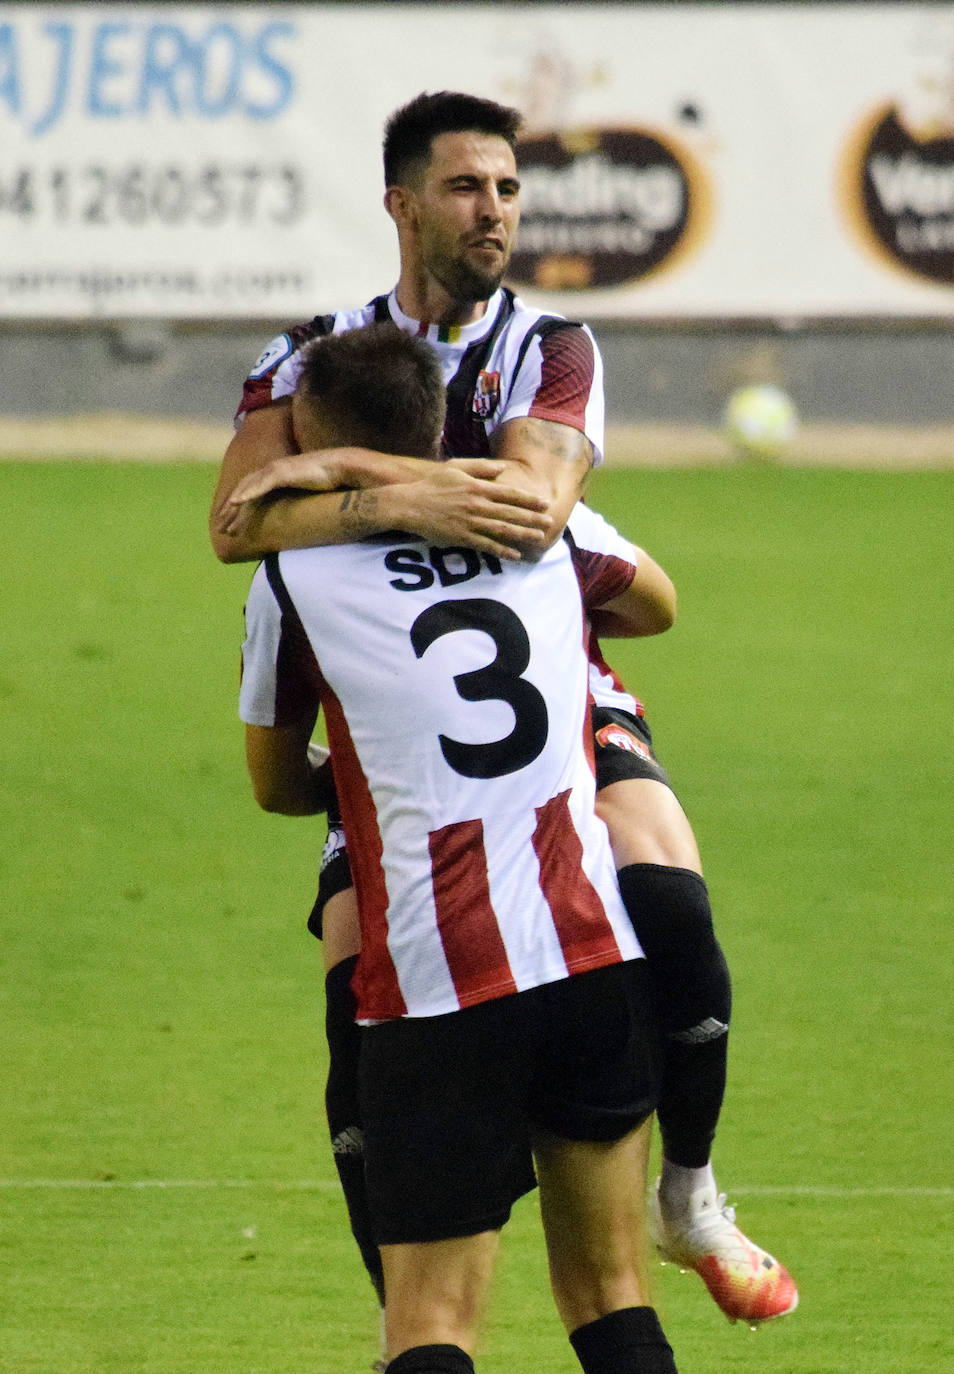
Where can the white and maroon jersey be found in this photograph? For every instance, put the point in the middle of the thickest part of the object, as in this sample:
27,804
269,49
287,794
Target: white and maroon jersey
513,362
455,694
593,538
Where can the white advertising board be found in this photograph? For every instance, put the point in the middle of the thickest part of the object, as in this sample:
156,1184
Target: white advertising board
680,162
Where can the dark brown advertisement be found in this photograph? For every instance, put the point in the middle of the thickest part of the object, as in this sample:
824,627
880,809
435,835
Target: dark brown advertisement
604,208
900,194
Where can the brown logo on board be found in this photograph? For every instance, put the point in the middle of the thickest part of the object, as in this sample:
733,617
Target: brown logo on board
899,190
604,207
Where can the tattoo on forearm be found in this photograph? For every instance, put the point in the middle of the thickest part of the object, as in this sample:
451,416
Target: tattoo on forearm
559,441
357,509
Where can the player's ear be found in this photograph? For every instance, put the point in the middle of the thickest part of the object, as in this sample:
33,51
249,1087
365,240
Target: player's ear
399,203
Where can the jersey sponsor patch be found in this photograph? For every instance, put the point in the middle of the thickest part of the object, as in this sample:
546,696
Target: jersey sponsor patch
486,394
276,352
615,735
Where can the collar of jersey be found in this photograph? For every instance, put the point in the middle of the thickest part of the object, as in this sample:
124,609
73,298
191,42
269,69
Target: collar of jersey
459,334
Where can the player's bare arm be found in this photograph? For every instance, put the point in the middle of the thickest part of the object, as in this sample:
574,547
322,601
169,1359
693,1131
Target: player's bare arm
293,505
464,501
325,469
551,460
281,518
283,775
264,435
339,468
647,607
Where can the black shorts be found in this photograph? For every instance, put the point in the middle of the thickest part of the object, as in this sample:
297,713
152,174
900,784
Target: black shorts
624,748
334,876
449,1103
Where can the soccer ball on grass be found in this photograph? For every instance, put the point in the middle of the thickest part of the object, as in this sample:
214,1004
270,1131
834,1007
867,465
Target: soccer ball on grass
760,421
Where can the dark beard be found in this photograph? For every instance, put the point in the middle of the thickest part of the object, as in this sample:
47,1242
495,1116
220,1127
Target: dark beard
465,283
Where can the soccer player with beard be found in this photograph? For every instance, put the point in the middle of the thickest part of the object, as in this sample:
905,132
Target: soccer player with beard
500,989
524,425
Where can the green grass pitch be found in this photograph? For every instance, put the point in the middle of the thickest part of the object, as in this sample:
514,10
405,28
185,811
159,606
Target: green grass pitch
167,1203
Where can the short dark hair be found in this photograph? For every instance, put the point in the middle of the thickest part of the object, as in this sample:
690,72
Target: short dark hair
379,387
409,132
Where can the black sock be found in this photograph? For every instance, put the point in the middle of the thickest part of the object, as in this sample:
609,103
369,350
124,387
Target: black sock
344,1118
691,1002
629,1341
692,1081
432,1359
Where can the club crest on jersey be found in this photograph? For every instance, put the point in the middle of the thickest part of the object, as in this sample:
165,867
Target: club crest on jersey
622,739
276,352
486,394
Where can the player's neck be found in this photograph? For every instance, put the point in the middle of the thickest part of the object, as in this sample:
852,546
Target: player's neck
427,301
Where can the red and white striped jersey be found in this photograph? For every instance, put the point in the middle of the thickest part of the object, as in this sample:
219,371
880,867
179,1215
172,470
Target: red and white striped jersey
455,694
513,362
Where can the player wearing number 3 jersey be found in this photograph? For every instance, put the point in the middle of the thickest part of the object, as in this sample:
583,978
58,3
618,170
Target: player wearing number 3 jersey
526,389
500,985
478,673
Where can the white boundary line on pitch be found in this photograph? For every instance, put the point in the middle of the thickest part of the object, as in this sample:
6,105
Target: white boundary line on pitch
305,1185
809,1190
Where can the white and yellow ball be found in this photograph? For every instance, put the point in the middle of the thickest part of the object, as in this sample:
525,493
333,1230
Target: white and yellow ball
760,421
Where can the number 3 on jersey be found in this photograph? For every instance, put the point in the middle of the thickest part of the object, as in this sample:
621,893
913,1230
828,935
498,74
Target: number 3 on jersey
499,681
